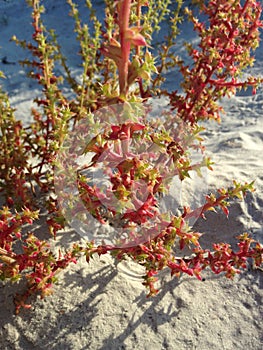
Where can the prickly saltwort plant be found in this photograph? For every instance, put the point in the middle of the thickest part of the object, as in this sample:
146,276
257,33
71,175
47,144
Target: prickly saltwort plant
120,73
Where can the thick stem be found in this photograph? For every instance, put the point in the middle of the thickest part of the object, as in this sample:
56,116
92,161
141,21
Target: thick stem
124,15
138,13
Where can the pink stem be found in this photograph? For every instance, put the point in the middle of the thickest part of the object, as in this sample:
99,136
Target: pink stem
124,15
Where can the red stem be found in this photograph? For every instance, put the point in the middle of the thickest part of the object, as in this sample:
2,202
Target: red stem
208,79
124,15
199,211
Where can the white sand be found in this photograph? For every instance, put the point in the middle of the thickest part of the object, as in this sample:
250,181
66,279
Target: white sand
99,306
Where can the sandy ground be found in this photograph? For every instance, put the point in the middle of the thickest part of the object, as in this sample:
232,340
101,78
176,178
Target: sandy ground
102,306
